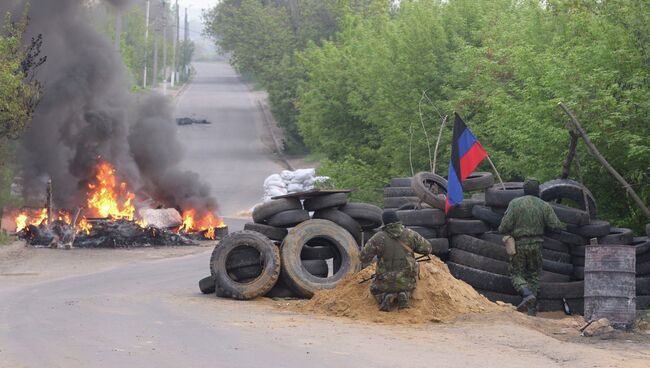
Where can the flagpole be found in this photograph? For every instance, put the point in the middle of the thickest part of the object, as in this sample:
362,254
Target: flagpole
496,172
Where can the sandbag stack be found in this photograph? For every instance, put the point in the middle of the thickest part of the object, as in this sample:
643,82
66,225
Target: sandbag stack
287,181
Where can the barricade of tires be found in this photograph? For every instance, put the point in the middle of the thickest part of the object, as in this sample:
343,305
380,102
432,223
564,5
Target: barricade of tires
286,252
477,255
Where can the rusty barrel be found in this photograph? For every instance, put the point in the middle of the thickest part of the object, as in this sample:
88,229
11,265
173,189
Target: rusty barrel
610,288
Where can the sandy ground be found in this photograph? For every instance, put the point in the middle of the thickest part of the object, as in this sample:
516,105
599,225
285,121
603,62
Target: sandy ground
500,339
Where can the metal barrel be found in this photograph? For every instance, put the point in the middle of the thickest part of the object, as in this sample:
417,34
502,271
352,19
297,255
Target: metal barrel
610,287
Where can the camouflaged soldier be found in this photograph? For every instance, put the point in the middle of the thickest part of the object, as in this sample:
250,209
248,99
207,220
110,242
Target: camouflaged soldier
397,269
525,220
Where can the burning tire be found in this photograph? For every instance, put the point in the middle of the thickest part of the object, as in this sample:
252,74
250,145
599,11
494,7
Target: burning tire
269,260
325,231
263,211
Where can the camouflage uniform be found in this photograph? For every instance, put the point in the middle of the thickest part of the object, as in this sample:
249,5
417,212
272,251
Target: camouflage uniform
525,219
397,269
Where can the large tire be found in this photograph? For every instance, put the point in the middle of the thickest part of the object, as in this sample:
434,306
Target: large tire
241,257
480,247
555,256
557,267
579,272
643,302
495,297
425,232
399,192
263,211
547,276
641,245
497,197
367,215
643,286
397,202
578,251
294,273
428,217
478,262
430,188
594,229
478,181
486,215
618,236
281,290
317,267
271,232
643,269
568,189
555,245
559,290
460,226
552,305
288,218
570,215
270,261
317,252
326,201
206,285
400,182
463,210
341,219
482,279
439,247
568,238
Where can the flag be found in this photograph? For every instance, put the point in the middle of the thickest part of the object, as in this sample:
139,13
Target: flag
466,154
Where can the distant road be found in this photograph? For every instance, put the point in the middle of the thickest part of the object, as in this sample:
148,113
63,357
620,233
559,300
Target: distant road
228,154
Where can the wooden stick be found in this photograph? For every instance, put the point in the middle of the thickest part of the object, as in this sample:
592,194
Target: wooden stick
496,172
603,161
566,166
424,129
435,151
582,181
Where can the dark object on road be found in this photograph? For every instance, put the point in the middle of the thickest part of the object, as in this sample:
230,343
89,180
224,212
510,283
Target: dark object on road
190,121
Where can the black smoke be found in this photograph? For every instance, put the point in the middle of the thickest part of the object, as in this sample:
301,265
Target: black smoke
87,113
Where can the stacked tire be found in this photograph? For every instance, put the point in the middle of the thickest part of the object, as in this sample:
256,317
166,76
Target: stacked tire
642,246
286,252
399,194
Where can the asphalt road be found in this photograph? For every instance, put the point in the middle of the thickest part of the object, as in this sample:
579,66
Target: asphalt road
228,154
151,314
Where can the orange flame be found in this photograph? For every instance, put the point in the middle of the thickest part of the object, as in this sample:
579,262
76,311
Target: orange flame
108,199
84,226
207,223
37,217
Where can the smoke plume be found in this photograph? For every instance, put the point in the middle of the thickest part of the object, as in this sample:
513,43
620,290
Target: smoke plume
87,113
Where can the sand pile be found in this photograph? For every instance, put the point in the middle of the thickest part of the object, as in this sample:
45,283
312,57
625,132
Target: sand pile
439,297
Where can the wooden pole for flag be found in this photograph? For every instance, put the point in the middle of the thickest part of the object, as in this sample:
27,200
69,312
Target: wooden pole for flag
435,150
496,172
603,161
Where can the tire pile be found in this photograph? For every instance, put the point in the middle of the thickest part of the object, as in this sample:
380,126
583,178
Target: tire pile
476,253
293,248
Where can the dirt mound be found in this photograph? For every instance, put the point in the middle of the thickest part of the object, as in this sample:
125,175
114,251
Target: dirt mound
439,297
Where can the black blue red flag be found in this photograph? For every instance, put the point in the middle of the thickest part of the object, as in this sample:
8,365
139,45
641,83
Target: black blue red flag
466,154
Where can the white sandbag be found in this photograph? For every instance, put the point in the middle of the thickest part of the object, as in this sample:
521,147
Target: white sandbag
272,192
280,186
287,175
275,178
292,188
304,174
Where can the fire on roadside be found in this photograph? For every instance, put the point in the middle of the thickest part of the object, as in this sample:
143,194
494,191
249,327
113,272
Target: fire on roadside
109,198
206,223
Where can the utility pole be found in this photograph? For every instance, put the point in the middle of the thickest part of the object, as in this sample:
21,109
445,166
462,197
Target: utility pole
186,35
118,29
164,29
154,82
146,38
176,47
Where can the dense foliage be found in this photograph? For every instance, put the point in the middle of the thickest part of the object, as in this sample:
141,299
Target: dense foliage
503,65
19,89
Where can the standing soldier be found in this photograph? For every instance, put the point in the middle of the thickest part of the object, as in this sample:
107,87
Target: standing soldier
525,220
397,269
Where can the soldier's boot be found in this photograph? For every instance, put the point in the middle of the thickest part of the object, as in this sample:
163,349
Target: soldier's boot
403,300
387,302
532,310
527,299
